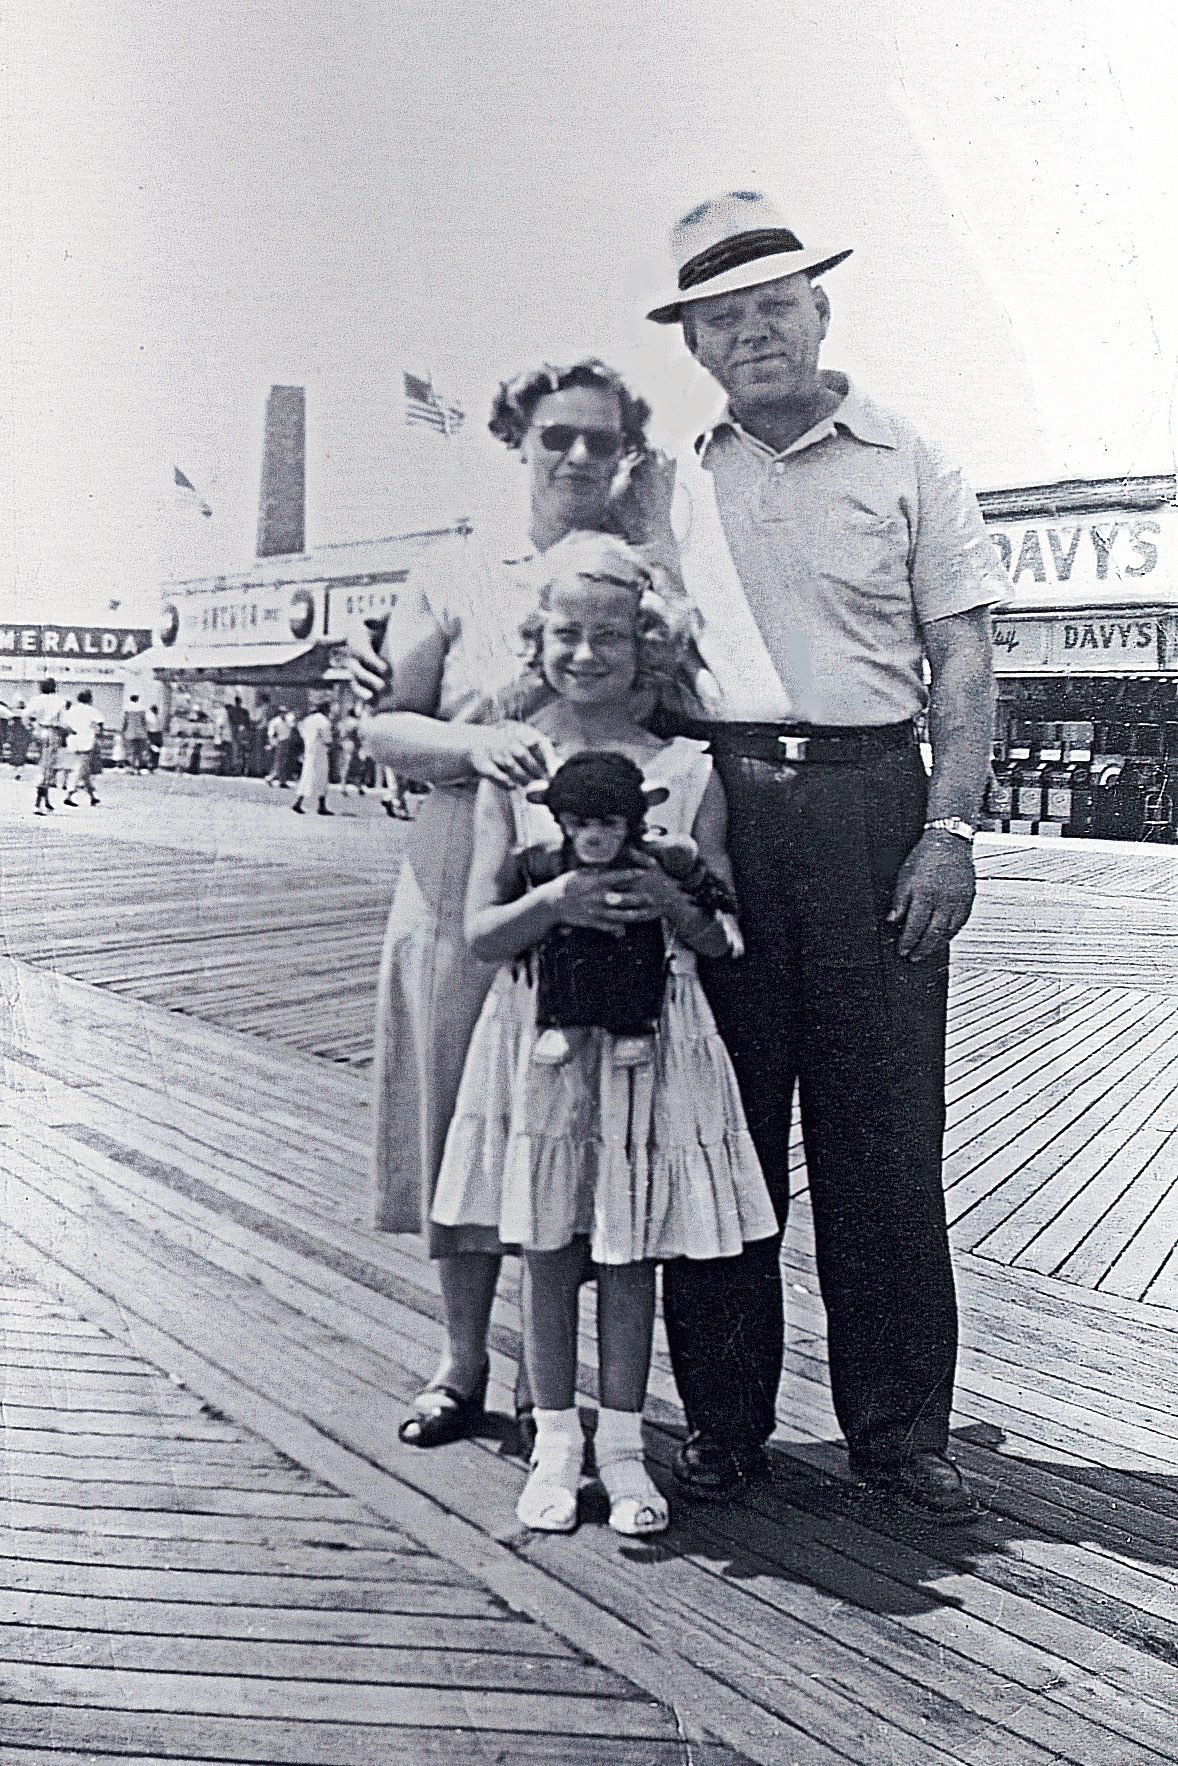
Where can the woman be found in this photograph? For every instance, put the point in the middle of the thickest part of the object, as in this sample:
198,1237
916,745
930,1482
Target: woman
453,642
316,732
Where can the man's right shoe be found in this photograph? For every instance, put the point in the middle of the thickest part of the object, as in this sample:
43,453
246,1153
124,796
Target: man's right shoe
707,1466
929,1481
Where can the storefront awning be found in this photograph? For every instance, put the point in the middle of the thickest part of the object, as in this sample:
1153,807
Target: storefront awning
249,664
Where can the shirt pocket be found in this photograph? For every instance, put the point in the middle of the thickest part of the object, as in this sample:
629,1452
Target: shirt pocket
863,547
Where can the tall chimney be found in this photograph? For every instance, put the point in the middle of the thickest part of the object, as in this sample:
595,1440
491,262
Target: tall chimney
281,505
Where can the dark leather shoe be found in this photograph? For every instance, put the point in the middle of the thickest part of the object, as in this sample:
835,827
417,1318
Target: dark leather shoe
708,1466
929,1480
440,1414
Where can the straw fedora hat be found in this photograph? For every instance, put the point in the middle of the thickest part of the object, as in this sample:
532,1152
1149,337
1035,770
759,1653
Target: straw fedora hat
735,241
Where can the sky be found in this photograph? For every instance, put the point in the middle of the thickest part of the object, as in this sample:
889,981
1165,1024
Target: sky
205,200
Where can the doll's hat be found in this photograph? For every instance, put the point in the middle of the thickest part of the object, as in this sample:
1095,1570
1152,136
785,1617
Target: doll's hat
735,241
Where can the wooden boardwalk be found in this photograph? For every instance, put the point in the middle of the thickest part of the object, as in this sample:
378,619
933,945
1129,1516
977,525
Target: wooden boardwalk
172,1586
288,951
183,1144
1062,1151
206,1206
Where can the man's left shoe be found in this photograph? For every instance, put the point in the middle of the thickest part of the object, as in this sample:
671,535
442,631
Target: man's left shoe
707,1466
930,1481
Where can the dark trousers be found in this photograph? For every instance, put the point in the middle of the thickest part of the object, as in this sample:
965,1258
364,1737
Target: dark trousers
822,998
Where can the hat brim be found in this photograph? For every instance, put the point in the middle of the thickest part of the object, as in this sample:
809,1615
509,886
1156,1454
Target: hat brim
750,275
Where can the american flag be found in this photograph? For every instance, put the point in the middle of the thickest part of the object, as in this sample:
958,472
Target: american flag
422,405
187,495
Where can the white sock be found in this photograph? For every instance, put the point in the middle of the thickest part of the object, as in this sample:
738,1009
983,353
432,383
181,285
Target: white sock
554,1425
619,1434
548,1502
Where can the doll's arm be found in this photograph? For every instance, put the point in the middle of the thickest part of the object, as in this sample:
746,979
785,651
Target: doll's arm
710,833
679,855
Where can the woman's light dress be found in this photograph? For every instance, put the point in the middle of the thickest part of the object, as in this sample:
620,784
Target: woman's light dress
648,1162
431,988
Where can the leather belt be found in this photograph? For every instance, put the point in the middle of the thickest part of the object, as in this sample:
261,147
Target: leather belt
806,744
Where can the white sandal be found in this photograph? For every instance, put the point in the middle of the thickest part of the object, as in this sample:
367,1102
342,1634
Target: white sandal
548,1501
636,1504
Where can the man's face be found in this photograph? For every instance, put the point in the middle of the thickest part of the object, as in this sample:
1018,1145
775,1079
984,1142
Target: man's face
761,344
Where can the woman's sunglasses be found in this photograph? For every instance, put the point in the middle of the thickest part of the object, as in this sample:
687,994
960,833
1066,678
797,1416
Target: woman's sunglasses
600,444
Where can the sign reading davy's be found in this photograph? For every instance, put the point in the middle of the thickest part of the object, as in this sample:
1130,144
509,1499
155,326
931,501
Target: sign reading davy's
1087,643
1110,559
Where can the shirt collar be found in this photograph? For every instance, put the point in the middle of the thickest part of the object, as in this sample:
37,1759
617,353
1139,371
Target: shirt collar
854,413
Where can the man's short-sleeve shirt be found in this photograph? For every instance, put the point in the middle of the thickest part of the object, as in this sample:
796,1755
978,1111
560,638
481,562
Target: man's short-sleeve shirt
846,544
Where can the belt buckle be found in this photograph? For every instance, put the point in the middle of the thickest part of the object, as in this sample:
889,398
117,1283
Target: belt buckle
794,748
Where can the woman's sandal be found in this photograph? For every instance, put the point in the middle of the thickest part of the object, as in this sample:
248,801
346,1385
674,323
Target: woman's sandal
636,1504
548,1501
525,1431
440,1414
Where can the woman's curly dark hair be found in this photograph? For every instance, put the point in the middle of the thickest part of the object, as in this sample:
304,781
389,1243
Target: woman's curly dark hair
516,400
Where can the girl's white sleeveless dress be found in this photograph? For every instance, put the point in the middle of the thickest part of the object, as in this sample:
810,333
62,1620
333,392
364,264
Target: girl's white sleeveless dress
647,1162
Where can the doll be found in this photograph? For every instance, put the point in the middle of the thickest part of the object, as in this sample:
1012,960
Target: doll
587,978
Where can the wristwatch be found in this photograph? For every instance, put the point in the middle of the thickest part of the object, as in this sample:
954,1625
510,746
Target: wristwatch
955,825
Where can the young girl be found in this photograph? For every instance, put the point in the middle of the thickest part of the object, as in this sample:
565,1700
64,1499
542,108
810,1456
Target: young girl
642,1162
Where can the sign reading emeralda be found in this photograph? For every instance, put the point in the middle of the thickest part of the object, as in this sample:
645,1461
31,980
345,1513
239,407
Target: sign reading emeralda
104,643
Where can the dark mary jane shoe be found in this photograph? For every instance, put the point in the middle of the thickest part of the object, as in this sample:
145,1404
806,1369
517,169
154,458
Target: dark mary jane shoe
443,1415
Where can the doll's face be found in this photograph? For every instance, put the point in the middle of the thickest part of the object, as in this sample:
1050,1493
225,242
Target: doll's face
596,840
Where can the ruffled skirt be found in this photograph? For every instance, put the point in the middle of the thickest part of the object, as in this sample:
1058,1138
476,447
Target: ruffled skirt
647,1162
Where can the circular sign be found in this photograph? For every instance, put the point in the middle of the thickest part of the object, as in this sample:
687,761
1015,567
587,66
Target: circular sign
302,613
169,624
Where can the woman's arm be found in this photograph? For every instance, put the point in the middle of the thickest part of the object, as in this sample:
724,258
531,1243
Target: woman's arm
406,733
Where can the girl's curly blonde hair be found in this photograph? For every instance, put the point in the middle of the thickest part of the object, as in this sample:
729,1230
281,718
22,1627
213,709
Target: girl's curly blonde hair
668,661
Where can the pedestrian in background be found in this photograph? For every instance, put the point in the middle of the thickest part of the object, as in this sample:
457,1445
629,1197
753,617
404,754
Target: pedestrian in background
83,726
18,736
47,712
155,736
134,734
349,753
280,733
223,740
239,735
316,732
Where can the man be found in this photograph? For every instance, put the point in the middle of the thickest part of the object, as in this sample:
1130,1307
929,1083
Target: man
83,726
134,734
280,734
154,724
831,555
46,717
239,736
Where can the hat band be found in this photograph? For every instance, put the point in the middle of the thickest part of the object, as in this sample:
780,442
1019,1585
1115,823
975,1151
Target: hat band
729,254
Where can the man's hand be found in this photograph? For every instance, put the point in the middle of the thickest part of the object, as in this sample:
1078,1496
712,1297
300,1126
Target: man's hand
934,895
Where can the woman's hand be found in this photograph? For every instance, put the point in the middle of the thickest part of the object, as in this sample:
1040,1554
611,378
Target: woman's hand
369,671
642,504
511,754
